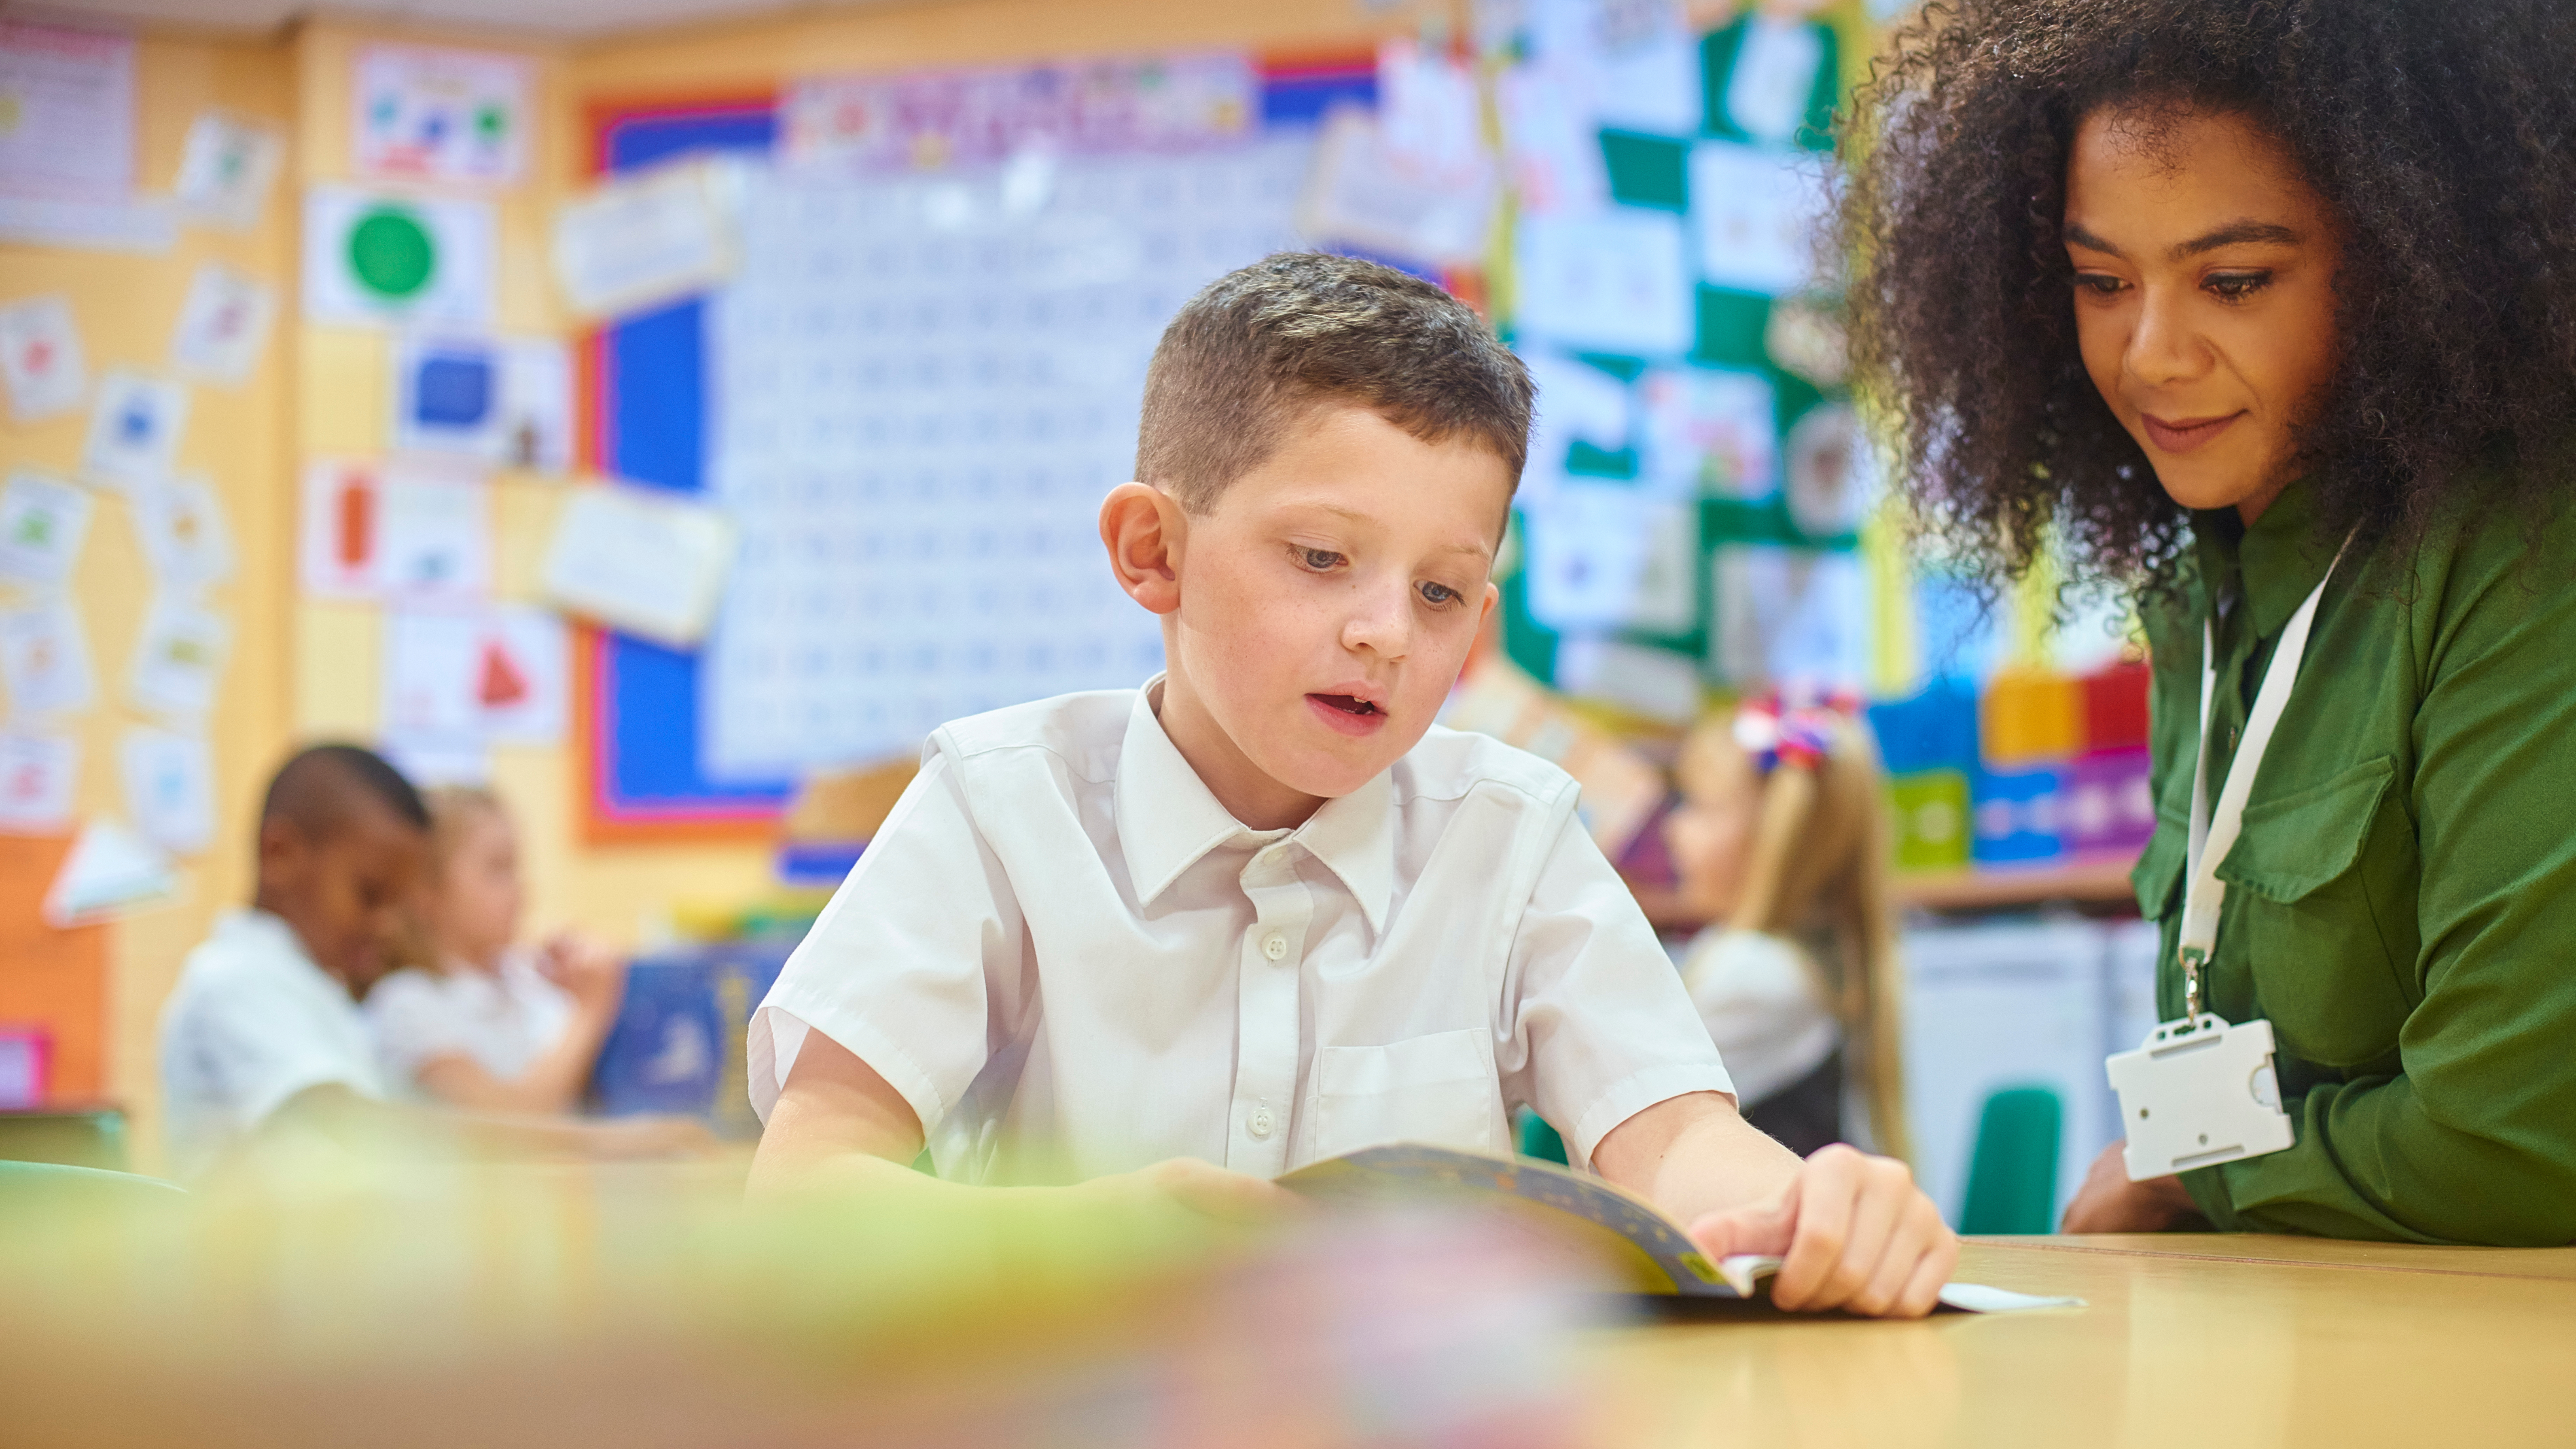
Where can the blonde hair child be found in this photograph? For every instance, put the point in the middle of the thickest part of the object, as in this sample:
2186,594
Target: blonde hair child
491,1026
1782,839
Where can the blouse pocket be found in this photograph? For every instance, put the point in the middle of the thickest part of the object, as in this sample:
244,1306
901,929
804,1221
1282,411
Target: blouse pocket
1440,1089
2321,966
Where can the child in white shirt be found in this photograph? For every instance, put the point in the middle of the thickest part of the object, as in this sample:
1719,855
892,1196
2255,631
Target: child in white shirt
1185,938
492,1026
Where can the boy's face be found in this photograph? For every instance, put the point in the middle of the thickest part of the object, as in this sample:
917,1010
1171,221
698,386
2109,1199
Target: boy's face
350,893
1326,604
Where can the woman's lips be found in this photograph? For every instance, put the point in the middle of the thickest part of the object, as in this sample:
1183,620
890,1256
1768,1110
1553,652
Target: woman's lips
1346,714
2185,434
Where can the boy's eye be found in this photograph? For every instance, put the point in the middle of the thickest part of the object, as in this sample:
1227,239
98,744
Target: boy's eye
1440,596
2237,286
1318,559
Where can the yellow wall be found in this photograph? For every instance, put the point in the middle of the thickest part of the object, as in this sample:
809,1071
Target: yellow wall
306,669
126,306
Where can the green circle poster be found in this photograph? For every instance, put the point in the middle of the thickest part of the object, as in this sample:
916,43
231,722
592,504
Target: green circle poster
391,253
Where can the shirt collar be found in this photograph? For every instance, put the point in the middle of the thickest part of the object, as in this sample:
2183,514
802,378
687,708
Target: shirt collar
1168,819
2274,563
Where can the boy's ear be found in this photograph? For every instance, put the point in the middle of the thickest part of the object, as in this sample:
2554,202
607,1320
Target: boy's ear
1144,529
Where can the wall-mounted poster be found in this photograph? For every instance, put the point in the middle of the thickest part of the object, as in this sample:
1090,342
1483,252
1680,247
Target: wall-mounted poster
440,115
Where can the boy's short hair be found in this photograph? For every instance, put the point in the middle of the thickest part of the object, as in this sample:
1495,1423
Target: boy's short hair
1263,345
317,787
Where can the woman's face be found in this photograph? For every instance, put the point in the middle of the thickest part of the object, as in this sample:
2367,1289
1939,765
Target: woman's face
2204,297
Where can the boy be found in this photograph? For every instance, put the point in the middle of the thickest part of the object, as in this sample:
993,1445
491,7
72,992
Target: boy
262,1038
1259,912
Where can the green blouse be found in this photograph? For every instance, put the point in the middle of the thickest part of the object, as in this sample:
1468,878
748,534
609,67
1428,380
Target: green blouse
2402,903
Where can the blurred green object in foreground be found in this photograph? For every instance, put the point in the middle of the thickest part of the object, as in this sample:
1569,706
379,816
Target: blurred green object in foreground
38,1187
2012,1179
1541,1141
73,1136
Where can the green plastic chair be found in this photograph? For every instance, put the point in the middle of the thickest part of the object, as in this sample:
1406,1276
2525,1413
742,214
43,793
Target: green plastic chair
1539,1140
2012,1178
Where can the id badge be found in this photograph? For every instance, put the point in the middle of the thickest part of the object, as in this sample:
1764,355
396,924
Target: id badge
2199,1093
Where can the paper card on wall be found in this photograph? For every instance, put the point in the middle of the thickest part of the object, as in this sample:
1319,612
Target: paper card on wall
1788,615
1638,60
42,523
1709,432
227,168
1759,216
649,564
1774,75
396,531
134,429
1576,403
1551,142
222,326
184,534
1616,282
179,660
1833,474
371,257
1431,120
169,788
39,777
44,659
1657,683
1604,556
40,358
506,402
1358,195
109,871
484,676
644,240
440,115
66,112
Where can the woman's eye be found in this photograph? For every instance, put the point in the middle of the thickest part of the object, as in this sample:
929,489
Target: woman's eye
2236,286
2100,284
1440,596
1318,559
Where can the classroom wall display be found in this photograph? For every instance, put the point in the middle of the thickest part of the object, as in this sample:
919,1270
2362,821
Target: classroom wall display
45,661
929,120
43,522
377,257
185,538
178,661
1667,194
453,116
169,783
40,358
39,778
634,243
400,529
506,401
134,429
222,326
227,167
461,679
67,148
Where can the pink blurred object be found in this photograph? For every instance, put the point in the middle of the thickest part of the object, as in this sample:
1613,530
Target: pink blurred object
2107,806
26,1065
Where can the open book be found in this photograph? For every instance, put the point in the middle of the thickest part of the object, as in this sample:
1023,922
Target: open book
1575,1210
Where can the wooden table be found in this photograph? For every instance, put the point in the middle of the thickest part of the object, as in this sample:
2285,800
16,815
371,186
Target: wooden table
2188,1342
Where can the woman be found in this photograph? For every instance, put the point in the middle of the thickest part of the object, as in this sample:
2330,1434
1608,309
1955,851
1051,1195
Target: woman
2245,301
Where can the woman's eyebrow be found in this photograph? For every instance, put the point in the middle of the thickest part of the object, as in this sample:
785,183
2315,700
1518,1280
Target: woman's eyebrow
2076,233
2238,233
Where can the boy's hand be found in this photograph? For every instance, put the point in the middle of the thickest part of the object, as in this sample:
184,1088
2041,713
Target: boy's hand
594,976
1854,1231
1201,1187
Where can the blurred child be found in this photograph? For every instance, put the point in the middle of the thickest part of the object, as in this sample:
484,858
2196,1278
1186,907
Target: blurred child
1781,839
262,1040
488,1026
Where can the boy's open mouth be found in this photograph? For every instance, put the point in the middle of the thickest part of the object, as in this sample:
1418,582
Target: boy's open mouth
1347,704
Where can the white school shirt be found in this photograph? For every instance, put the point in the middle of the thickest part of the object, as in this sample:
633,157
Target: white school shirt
502,1020
252,1022
1059,940
1758,997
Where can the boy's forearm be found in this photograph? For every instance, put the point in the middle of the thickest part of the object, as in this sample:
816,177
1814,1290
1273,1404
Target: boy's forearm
1694,1154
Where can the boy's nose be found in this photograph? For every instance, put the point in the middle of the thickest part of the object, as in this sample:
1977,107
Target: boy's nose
1382,627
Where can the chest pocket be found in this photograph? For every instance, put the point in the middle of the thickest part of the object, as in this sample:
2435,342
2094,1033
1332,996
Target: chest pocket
2331,947
1441,1089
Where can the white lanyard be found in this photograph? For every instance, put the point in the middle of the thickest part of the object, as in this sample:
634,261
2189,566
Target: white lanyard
2213,833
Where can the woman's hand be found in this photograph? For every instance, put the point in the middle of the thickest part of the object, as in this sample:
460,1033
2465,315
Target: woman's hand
2110,1203
1853,1231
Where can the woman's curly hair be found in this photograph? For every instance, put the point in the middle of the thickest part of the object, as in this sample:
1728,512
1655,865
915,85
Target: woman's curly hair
2438,133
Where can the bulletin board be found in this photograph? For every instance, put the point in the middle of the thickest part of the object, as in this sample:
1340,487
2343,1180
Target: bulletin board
645,386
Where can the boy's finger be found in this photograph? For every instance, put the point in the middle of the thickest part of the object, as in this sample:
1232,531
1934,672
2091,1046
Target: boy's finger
1826,1187
1923,1290
1764,1228
1880,1205
1911,1235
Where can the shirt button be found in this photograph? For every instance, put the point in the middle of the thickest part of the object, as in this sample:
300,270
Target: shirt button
1275,947
1260,1122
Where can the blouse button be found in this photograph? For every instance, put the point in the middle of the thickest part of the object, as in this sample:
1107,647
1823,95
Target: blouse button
1260,1123
1275,947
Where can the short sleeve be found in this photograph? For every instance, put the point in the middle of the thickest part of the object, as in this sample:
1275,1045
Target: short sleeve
414,1022
1601,1028
267,1043
897,970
